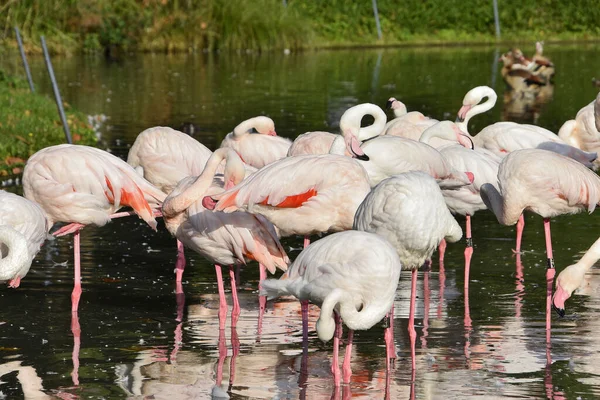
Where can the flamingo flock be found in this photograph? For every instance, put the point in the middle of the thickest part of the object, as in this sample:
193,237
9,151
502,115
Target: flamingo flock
385,194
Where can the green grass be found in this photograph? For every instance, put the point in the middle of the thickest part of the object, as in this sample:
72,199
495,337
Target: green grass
194,25
29,122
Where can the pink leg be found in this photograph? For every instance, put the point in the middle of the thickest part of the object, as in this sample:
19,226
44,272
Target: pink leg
411,319
304,307
520,288
550,272
178,340
235,347
222,299
14,283
442,250
306,241
390,348
520,226
70,228
468,324
235,312
76,294
335,367
347,370
180,263
222,355
76,330
427,295
468,253
441,290
262,300
122,214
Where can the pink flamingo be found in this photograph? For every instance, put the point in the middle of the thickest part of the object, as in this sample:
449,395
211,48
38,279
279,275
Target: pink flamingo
257,150
343,273
224,239
409,211
547,184
316,142
23,230
409,125
572,277
83,185
302,195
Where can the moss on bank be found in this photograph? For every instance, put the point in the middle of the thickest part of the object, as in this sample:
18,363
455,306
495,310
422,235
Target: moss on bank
29,122
195,25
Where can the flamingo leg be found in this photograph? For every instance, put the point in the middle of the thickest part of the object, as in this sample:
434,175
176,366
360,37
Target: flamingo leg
178,339
442,278
222,355
180,264
76,331
427,295
520,227
235,312
468,324
335,367
222,299
306,241
550,272
76,294
442,250
346,369
411,318
235,347
262,300
468,253
14,283
304,307
390,348
67,229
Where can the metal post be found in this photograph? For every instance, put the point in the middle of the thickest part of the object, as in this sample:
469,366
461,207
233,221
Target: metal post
24,58
61,111
495,68
284,3
496,18
376,13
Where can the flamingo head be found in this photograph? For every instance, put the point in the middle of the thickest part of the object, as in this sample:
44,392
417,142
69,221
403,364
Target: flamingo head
353,145
265,126
209,203
462,113
397,106
463,139
234,169
325,328
566,283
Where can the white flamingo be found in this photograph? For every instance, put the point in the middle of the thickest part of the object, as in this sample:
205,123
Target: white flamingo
583,132
353,274
23,230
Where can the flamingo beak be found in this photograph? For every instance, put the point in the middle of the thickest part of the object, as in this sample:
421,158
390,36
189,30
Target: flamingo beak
462,113
209,203
272,133
389,103
353,147
558,300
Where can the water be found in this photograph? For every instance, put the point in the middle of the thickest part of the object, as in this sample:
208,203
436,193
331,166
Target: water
133,346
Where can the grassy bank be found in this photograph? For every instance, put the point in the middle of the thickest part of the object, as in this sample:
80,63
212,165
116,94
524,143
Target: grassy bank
194,25
29,122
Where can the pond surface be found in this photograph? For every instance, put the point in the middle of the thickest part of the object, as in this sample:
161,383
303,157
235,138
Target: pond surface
132,344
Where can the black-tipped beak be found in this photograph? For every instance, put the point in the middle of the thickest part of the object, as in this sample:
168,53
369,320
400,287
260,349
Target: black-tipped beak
559,311
459,119
388,105
362,157
472,145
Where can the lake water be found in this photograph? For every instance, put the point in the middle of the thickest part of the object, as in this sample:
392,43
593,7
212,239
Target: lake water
132,344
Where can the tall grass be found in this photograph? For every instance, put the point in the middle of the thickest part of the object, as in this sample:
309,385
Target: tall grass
184,25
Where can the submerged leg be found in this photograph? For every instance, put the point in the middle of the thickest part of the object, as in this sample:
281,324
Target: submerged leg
442,250
426,297
346,369
304,307
390,348
262,300
235,312
76,294
411,318
222,299
520,226
76,331
180,264
468,253
550,272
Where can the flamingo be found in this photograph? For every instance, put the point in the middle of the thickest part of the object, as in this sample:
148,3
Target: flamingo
572,277
83,185
583,132
23,230
547,184
343,273
316,142
165,156
257,150
385,156
406,124
503,137
466,199
224,239
409,211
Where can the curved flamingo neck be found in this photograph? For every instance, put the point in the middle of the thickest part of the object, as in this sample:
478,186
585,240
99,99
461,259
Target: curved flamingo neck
17,259
479,93
495,203
178,203
244,128
351,119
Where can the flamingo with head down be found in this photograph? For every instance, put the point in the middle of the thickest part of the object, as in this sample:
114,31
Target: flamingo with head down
259,149
583,132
